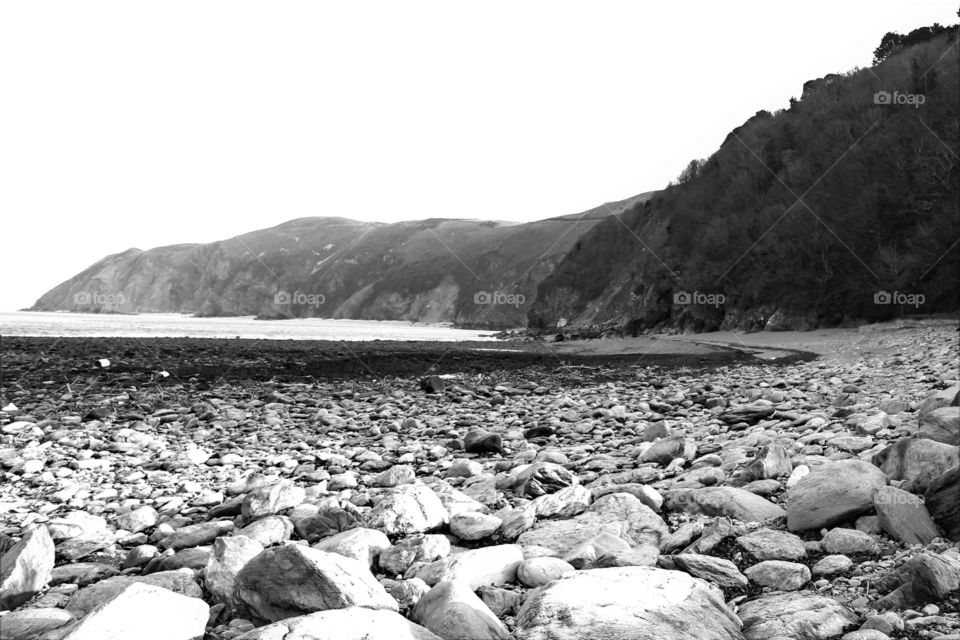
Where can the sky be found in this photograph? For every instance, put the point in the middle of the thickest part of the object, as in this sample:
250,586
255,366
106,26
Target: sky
141,124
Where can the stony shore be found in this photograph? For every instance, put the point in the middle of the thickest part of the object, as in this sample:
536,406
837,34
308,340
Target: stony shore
272,491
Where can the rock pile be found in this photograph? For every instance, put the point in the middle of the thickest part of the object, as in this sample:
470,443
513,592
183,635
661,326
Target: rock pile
805,501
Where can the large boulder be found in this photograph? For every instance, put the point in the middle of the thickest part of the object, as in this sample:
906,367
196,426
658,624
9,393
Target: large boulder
624,603
292,580
619,514
731,502
353,623
25,568
796,616
145,612
832,493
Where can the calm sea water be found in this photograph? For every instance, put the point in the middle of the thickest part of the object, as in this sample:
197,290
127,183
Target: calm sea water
167,325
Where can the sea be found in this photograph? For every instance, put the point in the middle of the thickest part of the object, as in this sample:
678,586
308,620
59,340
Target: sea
173,325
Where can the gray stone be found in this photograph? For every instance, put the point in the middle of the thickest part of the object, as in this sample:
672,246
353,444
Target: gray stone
619,514
26,568
409,508
196,534
424,548
904,517
796,616
363,545
917,461
87,599
943,502
29,624
779,574
832,493
144,612
352,623
290,580
723,501
604,603
494,565
769,544
272,498
942,425
849,541
451,610
229,556
536,572
716,570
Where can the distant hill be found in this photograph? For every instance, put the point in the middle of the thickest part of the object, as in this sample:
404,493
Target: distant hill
471,272
843,208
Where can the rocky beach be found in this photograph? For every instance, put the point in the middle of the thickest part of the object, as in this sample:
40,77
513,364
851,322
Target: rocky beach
782,485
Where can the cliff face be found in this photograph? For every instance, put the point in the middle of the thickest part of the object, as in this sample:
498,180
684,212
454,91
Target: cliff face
843,208
470,272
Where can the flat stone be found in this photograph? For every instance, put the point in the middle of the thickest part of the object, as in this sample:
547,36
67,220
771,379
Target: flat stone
352,623
196,534
619,514
779,574
29,624
832,565
793,615
770,544
723,501
604,603
849,541
719,571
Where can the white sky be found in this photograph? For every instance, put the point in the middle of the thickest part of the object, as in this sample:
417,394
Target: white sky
148,123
